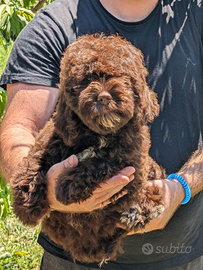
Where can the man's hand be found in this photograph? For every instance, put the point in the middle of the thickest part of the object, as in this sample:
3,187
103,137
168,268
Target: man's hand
173,191
101,196
173,194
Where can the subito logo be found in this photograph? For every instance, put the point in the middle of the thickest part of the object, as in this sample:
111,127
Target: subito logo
147,249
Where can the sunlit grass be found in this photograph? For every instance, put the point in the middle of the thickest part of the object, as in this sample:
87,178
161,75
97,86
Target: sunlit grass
18,244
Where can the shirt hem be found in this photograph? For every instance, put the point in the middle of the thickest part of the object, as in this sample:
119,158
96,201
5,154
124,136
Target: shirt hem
28,79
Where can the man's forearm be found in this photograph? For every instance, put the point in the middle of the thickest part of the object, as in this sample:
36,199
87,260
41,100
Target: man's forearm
15,143
28,108
192,172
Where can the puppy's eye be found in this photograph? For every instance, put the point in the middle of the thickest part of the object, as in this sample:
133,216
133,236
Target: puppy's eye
76,88
79,88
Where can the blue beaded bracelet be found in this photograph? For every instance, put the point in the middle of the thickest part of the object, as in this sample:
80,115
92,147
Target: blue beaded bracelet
185,185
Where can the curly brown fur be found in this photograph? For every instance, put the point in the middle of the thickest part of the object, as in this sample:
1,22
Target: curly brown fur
105,104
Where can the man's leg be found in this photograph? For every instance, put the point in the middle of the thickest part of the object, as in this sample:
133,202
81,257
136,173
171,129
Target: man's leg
197,264
50,262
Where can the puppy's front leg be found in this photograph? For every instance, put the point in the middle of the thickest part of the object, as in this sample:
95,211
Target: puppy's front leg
29,193
77,184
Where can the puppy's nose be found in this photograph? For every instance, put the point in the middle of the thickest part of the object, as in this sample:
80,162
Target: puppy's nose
104,97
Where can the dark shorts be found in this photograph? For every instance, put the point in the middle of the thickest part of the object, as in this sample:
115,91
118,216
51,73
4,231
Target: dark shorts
50,262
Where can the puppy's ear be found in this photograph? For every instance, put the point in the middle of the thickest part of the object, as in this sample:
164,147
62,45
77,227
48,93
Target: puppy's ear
61,117
67,124
146,103
148,107
150,104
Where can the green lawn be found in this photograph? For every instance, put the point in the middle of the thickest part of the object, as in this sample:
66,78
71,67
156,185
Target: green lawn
18,243
18,246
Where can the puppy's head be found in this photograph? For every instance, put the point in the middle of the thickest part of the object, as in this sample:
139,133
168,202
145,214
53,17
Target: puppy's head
103,81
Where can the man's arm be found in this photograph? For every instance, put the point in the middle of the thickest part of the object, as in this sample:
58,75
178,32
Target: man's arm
192,172
28,108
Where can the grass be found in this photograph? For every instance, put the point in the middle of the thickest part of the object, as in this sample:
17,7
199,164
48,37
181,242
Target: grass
19,249
18,246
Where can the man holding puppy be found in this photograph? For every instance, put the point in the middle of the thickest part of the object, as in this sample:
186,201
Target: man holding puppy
170,35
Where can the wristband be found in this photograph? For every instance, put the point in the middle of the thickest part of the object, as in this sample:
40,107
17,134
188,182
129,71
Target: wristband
184,184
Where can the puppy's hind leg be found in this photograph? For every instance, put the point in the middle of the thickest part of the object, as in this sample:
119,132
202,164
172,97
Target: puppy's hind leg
140,213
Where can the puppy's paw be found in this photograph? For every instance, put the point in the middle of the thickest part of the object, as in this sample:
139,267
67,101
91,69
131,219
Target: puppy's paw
132,217
29,197
73,186
64,191
31,215
138,217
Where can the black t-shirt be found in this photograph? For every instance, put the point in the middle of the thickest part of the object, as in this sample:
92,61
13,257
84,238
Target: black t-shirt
171,39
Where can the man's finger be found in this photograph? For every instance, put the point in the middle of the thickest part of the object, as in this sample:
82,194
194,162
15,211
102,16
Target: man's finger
106,197
122,178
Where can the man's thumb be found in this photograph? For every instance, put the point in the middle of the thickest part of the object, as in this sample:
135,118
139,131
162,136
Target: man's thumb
70,162
58,168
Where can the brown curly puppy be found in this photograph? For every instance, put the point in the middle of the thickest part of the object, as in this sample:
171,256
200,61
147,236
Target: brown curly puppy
103,108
